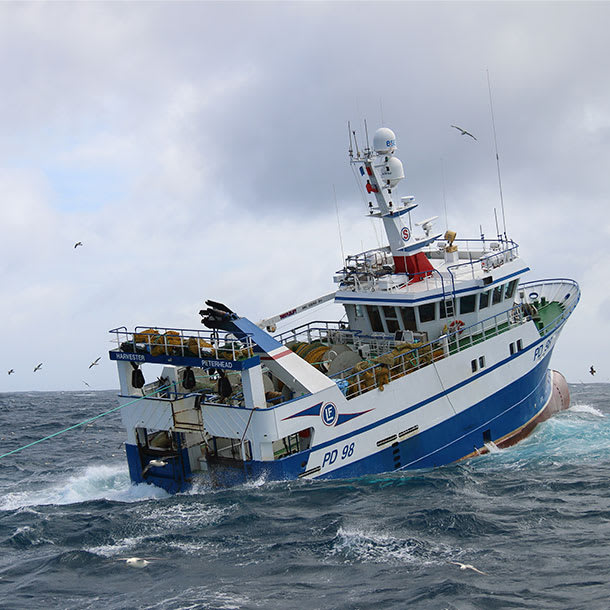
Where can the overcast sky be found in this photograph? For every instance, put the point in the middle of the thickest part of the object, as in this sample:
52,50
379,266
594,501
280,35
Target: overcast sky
194,147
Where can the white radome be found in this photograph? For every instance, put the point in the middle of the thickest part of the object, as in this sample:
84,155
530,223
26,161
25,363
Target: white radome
392,171
384,141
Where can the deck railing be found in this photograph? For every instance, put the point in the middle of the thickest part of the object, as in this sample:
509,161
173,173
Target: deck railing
157,341
399,361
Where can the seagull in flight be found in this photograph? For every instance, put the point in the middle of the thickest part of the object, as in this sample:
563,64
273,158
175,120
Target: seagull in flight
464,132
592,370
467,566
95,362
11,371
78,243
86,384
38,367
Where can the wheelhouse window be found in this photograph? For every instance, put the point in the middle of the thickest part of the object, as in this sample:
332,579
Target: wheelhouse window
408,318
497,297
426,312
510,289
391,319
443,309
359,311
374,318
484,299
467,303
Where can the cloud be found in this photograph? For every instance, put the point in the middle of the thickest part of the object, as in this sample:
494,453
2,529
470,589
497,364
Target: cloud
195,149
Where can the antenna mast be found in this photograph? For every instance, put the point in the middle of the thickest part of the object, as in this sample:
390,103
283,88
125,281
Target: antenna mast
444,196
339,227
349,131
493,124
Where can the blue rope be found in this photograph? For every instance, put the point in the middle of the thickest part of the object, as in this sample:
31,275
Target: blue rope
86,421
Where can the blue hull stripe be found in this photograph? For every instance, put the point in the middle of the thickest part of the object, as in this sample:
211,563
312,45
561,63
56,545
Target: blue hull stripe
502,413
544,362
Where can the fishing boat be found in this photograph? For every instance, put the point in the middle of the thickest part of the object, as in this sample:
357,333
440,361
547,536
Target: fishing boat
443,352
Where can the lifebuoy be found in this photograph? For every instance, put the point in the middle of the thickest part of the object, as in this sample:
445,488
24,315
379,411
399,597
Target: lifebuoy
533,296
456,326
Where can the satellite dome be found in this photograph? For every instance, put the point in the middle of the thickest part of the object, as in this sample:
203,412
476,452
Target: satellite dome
384,141
392,171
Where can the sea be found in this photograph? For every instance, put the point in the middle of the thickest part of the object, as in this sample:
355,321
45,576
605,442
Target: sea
524,527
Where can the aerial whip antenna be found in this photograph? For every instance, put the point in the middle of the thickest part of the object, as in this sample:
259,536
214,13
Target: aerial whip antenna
493,124
366,132
339,226
356,142
349,132
444,194
497,227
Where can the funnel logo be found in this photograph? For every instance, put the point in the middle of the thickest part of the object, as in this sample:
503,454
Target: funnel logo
329,414
405,233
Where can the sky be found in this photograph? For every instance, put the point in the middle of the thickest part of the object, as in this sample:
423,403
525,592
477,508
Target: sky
199,151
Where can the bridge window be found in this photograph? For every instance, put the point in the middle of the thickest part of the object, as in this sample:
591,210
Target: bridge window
467,303
443,313
484,299
374,318
408,318
359,311
510,289
426,312
391,319
497,297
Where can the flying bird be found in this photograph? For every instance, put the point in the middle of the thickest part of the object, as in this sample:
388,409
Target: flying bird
467,566
78,243
154,464
592,370
38,367
11,371
86,384
464,132
94,363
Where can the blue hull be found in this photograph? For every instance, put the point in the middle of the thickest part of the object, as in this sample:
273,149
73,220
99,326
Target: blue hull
496,417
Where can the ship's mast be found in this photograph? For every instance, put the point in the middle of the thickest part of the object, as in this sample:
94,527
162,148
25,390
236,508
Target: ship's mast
382,171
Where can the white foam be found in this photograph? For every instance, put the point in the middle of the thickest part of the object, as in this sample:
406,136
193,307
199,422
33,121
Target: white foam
190,599
195,514
492,447
586,409
118,548
103,482
369,546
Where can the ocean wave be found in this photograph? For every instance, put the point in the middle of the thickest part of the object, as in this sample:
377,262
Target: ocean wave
585,408
103,482
369,546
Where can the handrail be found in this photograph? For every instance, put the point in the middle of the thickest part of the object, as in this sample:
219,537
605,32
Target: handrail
493,256
459,340
175,341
